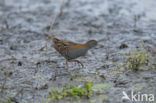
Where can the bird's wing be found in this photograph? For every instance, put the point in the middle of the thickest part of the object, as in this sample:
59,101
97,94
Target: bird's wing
69,44
61,45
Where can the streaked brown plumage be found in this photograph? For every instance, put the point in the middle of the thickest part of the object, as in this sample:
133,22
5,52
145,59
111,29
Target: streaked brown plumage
70,50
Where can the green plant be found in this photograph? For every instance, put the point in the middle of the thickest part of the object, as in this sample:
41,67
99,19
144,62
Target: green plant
74,91
88,89
71,91
55,95
136,58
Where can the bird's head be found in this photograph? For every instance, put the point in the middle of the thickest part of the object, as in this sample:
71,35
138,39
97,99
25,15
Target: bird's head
91,43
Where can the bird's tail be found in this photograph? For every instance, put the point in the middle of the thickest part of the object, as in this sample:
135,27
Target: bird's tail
54,39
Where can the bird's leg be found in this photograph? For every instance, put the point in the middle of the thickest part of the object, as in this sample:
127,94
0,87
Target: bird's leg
67,66
77,62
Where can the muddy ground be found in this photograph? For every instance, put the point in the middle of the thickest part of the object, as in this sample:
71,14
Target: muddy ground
30,67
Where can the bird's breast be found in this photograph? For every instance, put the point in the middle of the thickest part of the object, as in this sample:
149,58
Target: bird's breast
72,54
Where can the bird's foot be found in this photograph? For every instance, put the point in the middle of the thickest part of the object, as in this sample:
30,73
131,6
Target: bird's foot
76,61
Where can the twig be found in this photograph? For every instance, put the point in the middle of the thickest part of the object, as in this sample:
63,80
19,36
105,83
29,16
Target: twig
8,59
19,92
5,79
58,13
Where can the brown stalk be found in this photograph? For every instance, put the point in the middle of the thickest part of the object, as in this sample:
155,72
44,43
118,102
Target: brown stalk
58,13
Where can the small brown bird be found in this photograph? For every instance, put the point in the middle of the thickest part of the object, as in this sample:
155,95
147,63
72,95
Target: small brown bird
70,51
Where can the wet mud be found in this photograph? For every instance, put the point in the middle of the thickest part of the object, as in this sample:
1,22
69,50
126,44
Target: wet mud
29,67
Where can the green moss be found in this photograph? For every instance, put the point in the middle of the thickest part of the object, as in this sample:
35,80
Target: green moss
93,101
6,101
103,98
101,87
117,72
138,89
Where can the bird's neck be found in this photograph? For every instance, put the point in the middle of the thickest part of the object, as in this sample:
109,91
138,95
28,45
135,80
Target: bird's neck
87,46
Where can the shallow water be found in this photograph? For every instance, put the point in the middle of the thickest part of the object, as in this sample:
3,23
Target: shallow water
34,67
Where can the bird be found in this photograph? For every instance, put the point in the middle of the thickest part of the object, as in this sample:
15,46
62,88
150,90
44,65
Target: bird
70,50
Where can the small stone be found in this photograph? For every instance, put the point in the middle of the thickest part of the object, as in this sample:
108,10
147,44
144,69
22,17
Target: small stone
122,46
19,63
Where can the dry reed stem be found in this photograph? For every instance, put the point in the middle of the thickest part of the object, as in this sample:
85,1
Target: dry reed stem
58,13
